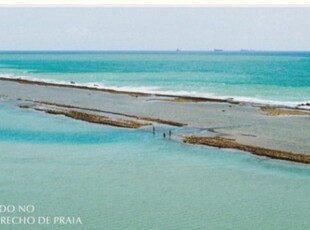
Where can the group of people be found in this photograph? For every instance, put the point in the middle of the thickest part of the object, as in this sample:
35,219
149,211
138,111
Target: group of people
164,134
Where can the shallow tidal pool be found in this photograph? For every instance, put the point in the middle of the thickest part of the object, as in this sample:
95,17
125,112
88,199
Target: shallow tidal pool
114,178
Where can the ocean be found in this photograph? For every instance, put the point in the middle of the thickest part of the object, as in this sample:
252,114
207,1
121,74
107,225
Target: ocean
115,178
265,77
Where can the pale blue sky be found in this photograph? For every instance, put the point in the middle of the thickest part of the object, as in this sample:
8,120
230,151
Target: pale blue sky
154,28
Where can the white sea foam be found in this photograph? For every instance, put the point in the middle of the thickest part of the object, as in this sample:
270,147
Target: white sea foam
5,75
157,90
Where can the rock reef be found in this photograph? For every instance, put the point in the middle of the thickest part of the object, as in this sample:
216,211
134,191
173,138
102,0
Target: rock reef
285,138
226,143
273,111
85,114
94,118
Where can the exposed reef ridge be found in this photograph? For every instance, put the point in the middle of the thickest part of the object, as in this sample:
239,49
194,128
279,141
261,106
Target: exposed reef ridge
133,94
273,111
161,121
113,119
226,143
135,122
284,138
94,118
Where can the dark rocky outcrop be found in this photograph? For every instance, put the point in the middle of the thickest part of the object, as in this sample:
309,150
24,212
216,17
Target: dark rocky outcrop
226,143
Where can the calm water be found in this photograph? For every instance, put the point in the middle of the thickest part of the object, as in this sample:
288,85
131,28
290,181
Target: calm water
129,179
272,77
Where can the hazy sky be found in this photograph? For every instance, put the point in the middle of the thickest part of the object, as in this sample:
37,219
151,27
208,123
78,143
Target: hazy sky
154,28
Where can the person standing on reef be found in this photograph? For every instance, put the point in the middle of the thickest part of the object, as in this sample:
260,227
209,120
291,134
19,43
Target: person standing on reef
170,133
153,130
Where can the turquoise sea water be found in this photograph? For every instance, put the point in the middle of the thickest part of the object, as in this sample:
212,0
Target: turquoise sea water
129,179
271,77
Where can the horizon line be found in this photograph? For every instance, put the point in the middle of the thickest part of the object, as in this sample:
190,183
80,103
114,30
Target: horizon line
215,50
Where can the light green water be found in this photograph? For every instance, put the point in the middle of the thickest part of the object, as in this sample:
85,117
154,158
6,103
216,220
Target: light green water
124,179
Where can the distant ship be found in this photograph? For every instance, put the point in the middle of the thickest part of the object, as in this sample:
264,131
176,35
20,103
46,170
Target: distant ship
177,50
